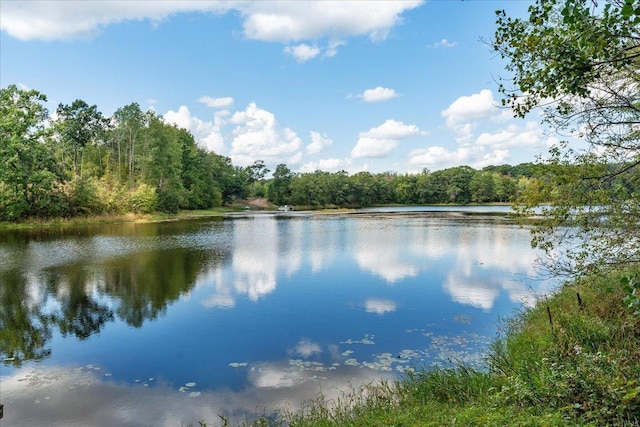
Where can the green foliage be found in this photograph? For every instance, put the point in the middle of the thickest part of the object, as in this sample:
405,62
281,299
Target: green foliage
82,196
87,164
459,185
114,197
27,169
12,206
631,285
279,190
78,125
578,63
168,200
143,200
83,163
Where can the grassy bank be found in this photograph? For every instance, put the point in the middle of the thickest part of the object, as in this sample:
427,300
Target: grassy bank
574,359
237,205
111,219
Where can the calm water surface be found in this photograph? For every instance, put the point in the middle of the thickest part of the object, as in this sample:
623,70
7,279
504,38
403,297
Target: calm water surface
172,323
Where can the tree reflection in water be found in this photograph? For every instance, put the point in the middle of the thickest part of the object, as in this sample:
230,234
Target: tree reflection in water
79,301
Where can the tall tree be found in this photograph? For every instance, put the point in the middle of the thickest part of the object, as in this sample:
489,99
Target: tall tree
579,62
78,125
28,174
129,126
165,164
280,186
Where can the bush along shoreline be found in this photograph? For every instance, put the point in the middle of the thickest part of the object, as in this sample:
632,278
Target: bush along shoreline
573,359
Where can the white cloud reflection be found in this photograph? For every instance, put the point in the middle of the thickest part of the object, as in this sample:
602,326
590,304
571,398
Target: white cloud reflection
378,247
307,348
255,257
35,397
379,306
484,259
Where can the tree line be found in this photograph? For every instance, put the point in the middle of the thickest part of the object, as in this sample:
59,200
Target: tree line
78,161
459,185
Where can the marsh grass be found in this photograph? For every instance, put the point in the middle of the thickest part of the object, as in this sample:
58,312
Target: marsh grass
44,223
573,359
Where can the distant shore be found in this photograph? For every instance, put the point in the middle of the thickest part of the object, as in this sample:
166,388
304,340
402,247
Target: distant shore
34,223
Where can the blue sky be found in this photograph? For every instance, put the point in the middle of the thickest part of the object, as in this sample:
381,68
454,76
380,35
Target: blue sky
376,86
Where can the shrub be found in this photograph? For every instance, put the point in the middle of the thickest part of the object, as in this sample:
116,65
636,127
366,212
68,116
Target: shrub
143,199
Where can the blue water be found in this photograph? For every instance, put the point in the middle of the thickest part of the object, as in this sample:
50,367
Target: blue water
245,314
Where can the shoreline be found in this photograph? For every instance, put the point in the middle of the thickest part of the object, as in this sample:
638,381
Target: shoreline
31,224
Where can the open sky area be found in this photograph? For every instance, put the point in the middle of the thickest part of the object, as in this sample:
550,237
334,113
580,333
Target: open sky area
331,85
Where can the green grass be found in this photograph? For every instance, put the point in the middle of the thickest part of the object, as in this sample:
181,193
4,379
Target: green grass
35,223
578,366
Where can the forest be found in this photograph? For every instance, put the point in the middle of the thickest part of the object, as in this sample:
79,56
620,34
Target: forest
78,162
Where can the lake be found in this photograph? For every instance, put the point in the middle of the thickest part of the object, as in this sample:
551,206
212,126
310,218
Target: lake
170,323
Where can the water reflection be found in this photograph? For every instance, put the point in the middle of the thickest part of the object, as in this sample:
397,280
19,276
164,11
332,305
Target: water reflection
255,257
24,328
379,306
254,311
38,396
80,299
378,248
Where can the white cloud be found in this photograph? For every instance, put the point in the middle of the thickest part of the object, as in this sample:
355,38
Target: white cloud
258,136
51,20
445,43
294,159
470,108
302,52
378,94
487,149
374,147
318,143
223,102
531,135
382,140
262,20
312,20
206,134
463,114
392,129
437,157
329,165
332,48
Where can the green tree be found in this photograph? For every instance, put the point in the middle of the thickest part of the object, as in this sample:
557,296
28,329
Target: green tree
29,177
229,179
578,63
482,187
78,125
280,186
365,189
128,142
164,165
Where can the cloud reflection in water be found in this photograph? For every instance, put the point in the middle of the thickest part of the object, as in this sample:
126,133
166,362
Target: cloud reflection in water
392,249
